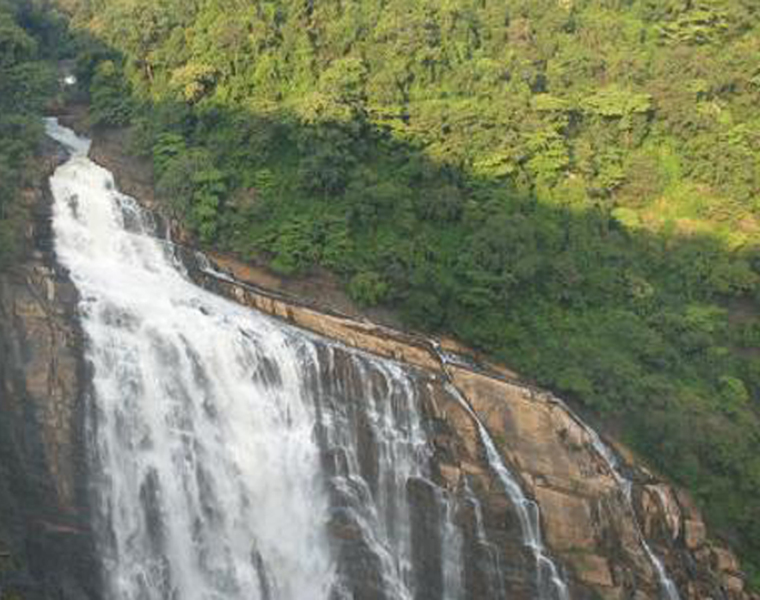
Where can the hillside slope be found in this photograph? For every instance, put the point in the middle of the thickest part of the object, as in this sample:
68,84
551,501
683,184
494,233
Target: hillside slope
570,187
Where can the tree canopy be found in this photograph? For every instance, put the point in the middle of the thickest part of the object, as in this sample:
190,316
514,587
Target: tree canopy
26,82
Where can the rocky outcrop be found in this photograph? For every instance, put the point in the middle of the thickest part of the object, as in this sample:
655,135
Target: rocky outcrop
45,545
672,520
585,518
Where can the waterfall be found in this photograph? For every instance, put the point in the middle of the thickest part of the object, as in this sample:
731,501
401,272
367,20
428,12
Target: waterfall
202,433
233,456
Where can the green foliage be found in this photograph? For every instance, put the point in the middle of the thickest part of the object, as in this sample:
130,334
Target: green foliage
169,146
734,395
26,83
698,23
8,243
368,288
109,94
189,183
617,103
571,189
292,248
208,190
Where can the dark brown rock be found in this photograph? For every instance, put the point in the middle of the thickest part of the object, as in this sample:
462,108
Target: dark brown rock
44,520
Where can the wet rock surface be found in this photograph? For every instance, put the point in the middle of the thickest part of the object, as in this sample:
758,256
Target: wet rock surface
45,544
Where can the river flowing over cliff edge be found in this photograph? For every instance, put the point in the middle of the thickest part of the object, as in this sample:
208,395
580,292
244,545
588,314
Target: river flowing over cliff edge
242,446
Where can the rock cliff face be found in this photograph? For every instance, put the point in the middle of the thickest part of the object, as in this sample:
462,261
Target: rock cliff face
45,546
588,523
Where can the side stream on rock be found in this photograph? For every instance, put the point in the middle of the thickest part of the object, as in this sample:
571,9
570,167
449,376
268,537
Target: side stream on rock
668,589
548,579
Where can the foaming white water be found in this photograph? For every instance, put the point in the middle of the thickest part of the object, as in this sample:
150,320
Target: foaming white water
377,447
235,457
209,482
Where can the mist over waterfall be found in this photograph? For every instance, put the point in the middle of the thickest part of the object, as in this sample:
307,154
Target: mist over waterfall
233,456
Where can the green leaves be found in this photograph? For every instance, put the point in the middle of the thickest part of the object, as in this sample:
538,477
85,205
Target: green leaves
614,102
734,395
368,288
549,156
16,45
167,147
110,95
189,183
344,80
701,22
208,191
26,85
193,80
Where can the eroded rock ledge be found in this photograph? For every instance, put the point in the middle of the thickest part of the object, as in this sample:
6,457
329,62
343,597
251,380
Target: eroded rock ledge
587,523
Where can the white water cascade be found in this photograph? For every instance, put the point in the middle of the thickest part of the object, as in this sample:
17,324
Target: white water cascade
235,457
208,485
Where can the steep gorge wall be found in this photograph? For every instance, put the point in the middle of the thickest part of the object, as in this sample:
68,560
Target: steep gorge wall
45,544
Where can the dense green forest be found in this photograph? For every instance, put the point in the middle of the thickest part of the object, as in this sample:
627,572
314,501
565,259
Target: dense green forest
571,186
27,80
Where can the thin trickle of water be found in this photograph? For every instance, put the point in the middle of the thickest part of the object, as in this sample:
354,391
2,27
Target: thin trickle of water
234,457
667,586
493,573
550,584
